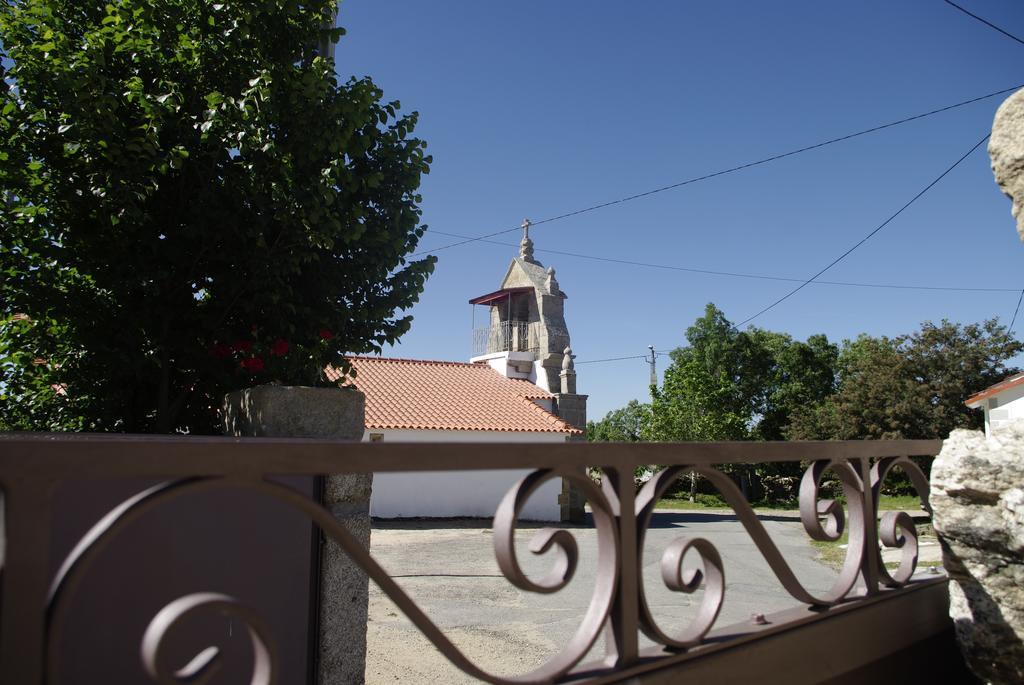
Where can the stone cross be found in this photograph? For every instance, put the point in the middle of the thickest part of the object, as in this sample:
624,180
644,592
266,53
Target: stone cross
526,246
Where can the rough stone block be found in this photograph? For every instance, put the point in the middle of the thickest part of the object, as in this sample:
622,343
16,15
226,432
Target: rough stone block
1006,149
977,493
285,411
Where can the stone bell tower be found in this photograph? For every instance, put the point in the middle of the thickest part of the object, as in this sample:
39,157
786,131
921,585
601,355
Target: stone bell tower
526,321
526,337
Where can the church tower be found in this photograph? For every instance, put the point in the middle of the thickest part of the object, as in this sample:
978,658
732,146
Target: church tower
526,336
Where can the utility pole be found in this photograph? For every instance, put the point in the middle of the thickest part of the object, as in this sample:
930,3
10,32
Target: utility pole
651,361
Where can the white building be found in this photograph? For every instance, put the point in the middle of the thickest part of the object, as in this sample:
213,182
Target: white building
409,400
1002,402
520,387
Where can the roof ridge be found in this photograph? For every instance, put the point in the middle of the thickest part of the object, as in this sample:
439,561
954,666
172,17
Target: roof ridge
416,361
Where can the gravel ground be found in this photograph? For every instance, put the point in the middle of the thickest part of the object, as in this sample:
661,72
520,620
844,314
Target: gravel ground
448,568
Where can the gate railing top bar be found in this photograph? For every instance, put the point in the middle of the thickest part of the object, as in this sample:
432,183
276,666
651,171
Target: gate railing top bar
61,455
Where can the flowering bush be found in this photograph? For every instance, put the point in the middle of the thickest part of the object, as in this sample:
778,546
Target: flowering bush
258,358
191,202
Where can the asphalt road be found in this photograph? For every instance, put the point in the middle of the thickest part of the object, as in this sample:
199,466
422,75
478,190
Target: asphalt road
448,568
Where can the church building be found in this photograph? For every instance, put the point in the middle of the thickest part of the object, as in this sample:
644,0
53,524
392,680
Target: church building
519,386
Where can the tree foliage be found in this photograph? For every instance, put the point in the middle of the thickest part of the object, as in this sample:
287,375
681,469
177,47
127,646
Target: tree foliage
709,387
191,203
727,384
629,424
911,386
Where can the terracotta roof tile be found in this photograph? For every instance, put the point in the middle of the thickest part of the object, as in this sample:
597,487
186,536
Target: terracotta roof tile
437,395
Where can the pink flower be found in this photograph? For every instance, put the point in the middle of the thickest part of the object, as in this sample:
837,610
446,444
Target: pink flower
326,335
279,348
241,346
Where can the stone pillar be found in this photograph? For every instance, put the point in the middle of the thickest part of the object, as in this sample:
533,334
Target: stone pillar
572,409
977,494
300,412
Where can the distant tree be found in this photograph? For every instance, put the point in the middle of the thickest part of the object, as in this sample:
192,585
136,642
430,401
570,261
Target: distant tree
191,203
697,403
629,424
912,386
954,361
731,385
877,397
709,387
797,374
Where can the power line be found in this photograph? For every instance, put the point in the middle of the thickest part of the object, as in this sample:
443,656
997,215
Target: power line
723,172
610,359
863,240
736,274
985,22
1014,319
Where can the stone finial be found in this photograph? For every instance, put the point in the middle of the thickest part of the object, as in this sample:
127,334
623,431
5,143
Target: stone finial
526,245
1006,149
552,283
568,375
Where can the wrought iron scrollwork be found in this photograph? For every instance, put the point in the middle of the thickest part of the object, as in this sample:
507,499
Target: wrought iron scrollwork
204,664
264,667
823,519
672,574
812,509
897,529
565,563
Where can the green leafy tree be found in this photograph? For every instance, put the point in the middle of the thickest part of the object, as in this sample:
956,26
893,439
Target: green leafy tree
795,373
632,423
709,389
191,203
912,386
741,385
738,385
629,424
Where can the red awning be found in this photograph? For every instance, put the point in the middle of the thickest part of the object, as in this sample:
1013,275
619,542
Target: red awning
498,295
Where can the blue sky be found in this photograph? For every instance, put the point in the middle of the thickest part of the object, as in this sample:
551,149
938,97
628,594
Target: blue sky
535,109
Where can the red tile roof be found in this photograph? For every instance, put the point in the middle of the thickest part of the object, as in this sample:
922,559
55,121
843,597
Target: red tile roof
434,395
974,400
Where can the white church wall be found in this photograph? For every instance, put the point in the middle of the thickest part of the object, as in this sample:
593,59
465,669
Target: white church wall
409,494
1006,407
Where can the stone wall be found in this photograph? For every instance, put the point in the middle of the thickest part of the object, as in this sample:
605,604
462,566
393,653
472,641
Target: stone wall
301,412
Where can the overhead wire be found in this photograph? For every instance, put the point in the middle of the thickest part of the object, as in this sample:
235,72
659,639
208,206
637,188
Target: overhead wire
867,237
1015,311
736,274
985,22
723,172
610,359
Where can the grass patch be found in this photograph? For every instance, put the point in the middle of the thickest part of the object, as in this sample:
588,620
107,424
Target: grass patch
833,554
909,503
687,505
899,502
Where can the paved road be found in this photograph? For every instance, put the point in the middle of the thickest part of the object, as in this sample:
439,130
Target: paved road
448,567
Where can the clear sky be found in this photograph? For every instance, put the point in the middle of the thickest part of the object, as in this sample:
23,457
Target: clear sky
536,109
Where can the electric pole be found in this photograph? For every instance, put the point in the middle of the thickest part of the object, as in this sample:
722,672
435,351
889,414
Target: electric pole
651,361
